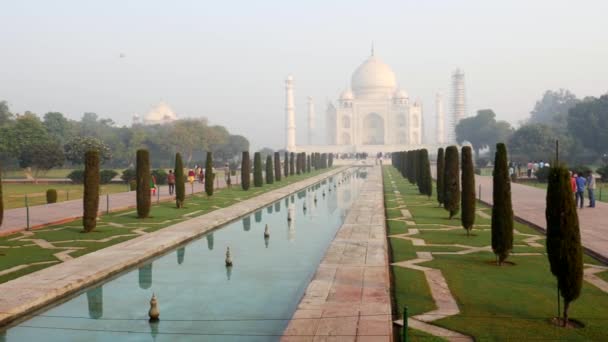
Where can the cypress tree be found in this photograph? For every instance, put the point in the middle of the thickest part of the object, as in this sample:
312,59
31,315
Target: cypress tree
142,172
245,171
440,166
209,175
403,162
451,181
1,200
277,166
258,175
90,198
308,166
180,181
427,183
564,248
331,160
420,172
292,163
269,170
467,216
286,164
299,163
502,211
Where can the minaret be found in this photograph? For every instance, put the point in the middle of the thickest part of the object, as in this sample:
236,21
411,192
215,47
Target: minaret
458,111
440,119
311,120
290,115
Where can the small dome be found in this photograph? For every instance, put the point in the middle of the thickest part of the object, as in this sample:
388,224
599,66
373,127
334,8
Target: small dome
160,114
373,78
347,95
400,94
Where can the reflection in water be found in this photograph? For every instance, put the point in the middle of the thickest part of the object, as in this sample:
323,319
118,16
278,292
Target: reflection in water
154,329
301,194
210,241
286,201
293,199
266,241
228,272
181,253
145,276
291,231
247,223
95,301
277,206
258,216
269,209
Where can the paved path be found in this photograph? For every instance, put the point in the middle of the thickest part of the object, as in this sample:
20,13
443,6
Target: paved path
349,297
36,290
42,215
529,205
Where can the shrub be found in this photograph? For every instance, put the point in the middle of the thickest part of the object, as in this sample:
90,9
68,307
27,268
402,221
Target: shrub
269,170
257,170
451,181
90,199
180,181
128,175
76,176
277,166
542,174
467,215
106,176
563,237
132,185
603,171
209,175
478,171
142,169
160,175
440,166
502,210
245,171
51,196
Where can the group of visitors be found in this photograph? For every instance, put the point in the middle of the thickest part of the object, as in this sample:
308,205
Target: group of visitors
193,174
579,183
534,166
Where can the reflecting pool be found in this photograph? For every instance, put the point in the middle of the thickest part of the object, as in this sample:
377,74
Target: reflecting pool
200,299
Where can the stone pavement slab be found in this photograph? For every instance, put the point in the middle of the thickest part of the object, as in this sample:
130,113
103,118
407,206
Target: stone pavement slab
348,299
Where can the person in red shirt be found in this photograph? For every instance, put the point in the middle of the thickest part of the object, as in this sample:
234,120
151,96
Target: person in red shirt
573,182
171,182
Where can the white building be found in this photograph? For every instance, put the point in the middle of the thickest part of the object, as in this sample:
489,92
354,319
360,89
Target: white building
373,115
159,115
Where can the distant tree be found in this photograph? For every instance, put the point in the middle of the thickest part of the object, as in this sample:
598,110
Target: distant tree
41,155
564,248
277,166
502,210
75,148
440,167
57,126
286,164
292,163
90,198
482,130
5,113
180,181
258,178
266,151
209,175
451,181
467,215
245,171
553,108
588,122
534,142
142,169
269,170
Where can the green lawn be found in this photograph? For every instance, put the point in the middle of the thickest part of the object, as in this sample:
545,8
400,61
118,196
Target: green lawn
496,303
14,193
18,249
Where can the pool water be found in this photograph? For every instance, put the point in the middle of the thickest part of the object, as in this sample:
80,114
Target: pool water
199,298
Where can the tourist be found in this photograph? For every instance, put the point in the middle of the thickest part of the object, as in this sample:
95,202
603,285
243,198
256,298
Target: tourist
541,164
153,184
227,175
580,190
573,182
171,182
536,165
201,176
191,175
530,169
547,164
591,189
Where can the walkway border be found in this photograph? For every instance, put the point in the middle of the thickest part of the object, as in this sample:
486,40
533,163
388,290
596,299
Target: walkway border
36,291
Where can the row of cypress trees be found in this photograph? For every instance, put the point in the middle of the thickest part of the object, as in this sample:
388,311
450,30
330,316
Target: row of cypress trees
416,167
563,244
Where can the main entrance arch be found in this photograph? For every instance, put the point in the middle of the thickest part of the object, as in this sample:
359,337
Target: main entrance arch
373,129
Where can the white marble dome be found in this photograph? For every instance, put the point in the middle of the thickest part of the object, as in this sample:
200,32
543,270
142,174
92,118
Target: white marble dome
373,79
347,95
160,114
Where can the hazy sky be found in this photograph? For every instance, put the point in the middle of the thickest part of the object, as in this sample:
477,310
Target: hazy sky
227,60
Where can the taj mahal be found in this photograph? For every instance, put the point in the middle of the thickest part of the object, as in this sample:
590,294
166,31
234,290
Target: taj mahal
374,115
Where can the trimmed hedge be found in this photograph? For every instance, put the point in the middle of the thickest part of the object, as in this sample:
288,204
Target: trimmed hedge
245,171
277,166
90,198
467,216
51,196
440,167
106,176
269,170
76,176
502,210
180,181
258,179
209,175
1,200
